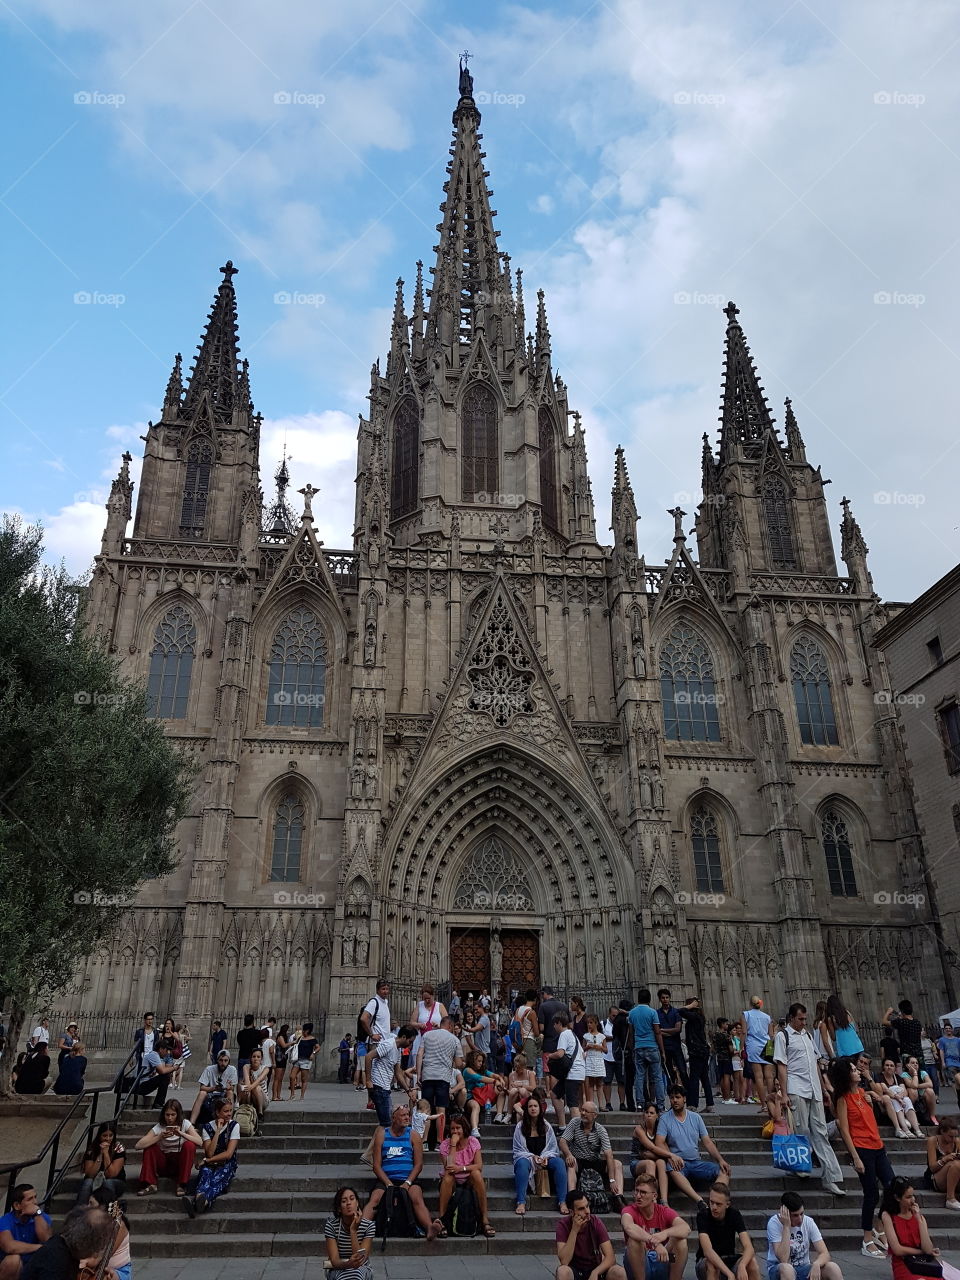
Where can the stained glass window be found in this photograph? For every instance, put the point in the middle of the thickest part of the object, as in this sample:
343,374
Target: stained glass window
404,489
288,825
171,665
479,444
688,688
839,854
776,509
196,488
298,672
707,859
548,470
811,693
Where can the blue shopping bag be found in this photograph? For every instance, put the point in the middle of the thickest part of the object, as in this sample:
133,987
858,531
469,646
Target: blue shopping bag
792,1152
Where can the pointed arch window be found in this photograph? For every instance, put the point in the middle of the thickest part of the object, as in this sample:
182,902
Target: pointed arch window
838,851
776,511
688,687
479,445
707,855
298,672
404,487
171,665
810,676
196,488
288,824
548,469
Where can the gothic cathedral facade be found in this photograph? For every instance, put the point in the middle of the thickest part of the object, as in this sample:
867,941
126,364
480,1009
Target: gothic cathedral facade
480,745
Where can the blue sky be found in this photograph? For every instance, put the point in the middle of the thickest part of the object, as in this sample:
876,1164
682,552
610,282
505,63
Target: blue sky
648,162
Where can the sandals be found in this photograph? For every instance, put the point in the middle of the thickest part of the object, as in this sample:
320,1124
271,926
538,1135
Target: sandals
441,1230
488,1230
870,1249
149,1190
181,1191
520,1210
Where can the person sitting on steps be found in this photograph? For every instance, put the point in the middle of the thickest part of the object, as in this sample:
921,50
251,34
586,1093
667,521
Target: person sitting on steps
461,1163
398,1162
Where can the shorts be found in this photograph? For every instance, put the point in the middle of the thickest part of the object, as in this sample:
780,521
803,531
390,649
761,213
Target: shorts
362,1049
701,1170
568,1091
725,1066
608,1072
737,1064
730,1260
773,1270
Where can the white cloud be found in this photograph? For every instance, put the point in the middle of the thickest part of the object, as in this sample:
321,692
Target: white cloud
322,448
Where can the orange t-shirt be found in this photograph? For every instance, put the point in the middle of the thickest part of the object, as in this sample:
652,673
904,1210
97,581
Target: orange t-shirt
862,1121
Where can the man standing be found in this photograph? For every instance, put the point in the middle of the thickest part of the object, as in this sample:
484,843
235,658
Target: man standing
908,1029
375,1024
584,1250
218,1038
22,1231
795,1247
481,1037
248,1039
799,1075
680,1134
439,1056
144,1037
41,1034
653,1233
671,1024
385,1069
550,1006
647,1050
698,1053
623,1066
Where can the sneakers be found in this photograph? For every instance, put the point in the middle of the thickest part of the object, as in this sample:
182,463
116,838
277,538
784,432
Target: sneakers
474,1133
608,1107
952,1204
834,1189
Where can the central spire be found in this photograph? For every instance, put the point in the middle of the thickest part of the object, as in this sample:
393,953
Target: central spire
216,368
744,412
470,285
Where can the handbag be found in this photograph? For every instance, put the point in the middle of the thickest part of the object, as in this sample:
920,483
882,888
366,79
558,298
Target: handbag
792,1152
766,1053
541,1181
923,1264
559,1068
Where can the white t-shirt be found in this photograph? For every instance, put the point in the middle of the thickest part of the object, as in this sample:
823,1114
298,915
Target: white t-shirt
41,1035
796,1050
268,1047
608,1032
568,1043
379,1011
801,1238
212,1078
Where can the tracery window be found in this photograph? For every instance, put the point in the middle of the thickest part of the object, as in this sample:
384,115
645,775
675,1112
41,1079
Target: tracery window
479,445
288,824
171,664
707,856
404,489
687,687
838,852
548,469
196,488
298,672
810,676
493,880
776,510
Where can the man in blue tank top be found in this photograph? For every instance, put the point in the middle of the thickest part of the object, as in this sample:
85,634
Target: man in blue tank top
397,1162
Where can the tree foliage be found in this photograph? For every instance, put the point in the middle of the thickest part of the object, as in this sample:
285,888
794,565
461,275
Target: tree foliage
90,788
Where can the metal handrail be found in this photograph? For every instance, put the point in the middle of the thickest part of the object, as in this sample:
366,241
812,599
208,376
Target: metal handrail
55,1174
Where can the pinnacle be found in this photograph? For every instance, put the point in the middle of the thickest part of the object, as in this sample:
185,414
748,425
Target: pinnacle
215,368
745,414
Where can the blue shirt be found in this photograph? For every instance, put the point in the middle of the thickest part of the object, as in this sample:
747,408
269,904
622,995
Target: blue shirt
950,1048
24,1232
670,1018
643,1019
396,1154
683,1136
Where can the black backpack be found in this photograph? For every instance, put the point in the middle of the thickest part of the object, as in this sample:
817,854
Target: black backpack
362,1032
590,1182
394,1216
461,1218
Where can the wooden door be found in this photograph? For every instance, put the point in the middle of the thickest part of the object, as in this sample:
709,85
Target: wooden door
470,960
521,961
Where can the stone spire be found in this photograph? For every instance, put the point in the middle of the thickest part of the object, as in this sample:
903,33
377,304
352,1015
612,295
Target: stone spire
543,331
173,398
398,330
853,550
119,510
795,446
745,415
216,368
419,314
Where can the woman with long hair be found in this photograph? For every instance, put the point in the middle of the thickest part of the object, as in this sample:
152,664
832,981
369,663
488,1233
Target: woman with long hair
530,1035
535,1147
895,1092
578,1018
253,1085
169,1149
861,1137
905,1228
841,1028
919,1086
218,1168
943,1161
758,1027
461,1162
594,1045
103,1155
280,1055
645,1156
349,1236
822,1040
521,1083
426,1014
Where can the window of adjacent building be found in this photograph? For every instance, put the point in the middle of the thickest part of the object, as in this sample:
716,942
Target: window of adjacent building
811,692
548,469
838,852
776,510
935,651
404,489
707,858
479,444
288,825
171,665
298,672
948,718
196,488
687,687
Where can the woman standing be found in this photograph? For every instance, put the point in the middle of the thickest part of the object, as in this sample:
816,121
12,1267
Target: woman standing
307,1049
104,1155
293,1062
183,1034
218,1167
594,1045
928,1049
842,1029
759,1052
535,1147
349,1236
578,1018
426,1015
461,1162
530,1036
822,1040
280,1055
736,1063
943,1161
905,1228
858,1128
168,1150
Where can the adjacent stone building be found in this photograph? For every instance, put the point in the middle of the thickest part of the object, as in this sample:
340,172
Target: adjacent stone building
480,744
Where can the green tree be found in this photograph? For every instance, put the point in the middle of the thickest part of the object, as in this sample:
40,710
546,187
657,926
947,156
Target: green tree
90,788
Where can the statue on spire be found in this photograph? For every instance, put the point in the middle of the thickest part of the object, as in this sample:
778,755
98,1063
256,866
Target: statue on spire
678,513
466,79
308,492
